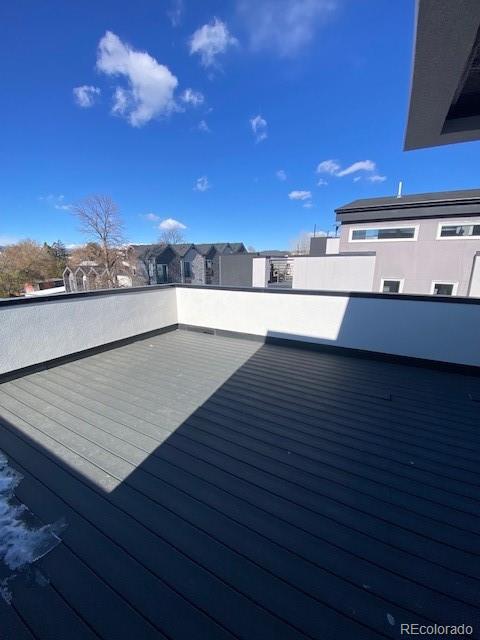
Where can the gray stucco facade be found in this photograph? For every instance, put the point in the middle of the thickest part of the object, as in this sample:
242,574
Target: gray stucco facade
235,270
427,258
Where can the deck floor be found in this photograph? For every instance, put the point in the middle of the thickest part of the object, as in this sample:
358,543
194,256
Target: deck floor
216,488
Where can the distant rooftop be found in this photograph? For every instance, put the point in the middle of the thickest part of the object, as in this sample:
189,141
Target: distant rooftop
182,248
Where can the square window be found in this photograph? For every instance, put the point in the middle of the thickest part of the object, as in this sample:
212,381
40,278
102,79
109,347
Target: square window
442,289
391,286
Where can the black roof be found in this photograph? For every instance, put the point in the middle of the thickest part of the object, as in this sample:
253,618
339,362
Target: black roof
418,199
418,205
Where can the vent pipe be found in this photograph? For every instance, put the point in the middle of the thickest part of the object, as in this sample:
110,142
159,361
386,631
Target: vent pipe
399,192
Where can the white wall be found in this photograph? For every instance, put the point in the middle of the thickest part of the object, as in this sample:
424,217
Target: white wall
36,332
333,246
475,282
259,272
334,273
445,331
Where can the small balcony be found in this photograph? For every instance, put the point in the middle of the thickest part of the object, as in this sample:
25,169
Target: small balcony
204,462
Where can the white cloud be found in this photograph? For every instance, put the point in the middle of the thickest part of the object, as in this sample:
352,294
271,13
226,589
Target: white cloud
329,166
203,126
322,182
376,178
150,85
85,95
361,165
300,195
281,175
211,40
259,128
202,184
283,26
152,217
170,224
308,205
57,202
189,96
332,168
357,178
175,13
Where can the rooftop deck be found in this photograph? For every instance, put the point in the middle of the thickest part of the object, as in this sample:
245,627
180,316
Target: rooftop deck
221,488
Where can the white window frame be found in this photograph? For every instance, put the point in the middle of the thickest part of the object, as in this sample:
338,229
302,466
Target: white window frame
456,223
438,281
398,226
399,280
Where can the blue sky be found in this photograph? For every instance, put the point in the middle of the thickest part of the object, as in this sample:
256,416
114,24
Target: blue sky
213,114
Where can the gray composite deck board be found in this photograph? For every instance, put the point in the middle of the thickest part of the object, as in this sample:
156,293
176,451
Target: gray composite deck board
218,488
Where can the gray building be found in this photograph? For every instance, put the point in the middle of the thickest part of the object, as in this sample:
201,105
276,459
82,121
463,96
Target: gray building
184,263
424,243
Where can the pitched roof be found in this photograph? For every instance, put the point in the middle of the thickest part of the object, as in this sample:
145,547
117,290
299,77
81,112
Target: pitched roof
204,248
159,248
180,249
237,246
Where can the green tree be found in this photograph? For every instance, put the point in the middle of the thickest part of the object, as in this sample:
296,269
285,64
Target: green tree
59,255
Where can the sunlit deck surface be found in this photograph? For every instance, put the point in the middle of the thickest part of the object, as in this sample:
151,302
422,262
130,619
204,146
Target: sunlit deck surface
217,488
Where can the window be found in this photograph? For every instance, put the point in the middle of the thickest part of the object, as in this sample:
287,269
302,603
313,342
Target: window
209,264
463,230
162,273
444,288
385,233
391,286
187,269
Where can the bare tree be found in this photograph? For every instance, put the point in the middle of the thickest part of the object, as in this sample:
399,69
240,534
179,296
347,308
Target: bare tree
100,221
171,236
301,244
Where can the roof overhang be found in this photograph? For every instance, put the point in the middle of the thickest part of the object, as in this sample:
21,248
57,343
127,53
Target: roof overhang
411,211
445,90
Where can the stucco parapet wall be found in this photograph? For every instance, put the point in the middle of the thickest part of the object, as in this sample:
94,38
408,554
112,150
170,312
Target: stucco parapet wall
433,328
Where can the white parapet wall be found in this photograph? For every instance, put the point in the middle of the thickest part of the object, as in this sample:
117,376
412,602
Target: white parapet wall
34,332
444,331
259,272
334,273
474,290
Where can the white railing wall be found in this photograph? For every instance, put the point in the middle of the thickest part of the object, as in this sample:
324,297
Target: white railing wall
33,332
407,326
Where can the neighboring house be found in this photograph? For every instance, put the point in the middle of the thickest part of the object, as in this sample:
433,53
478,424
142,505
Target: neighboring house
424,243
44,287
185,263
88,275
212,253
